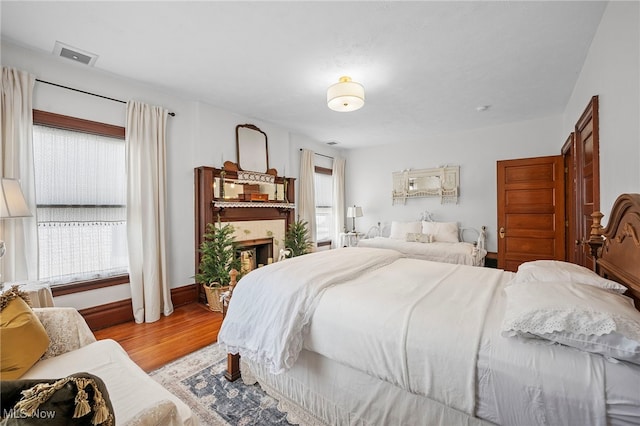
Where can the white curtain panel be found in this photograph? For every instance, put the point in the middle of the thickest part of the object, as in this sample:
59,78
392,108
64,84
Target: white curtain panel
307,203
338,200
146,211
20,235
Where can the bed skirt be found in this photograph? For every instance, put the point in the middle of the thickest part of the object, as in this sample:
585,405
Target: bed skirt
320,392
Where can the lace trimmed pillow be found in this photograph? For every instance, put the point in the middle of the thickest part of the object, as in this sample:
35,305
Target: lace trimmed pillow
581,316
416,237
554,270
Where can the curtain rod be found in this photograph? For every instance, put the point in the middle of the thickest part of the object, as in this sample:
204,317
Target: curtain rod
321,155
173,114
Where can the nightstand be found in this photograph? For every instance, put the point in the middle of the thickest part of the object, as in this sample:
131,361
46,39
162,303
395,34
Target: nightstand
350,239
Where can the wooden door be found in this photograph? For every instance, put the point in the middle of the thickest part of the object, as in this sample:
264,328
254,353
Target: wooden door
531,210
587,159
570,197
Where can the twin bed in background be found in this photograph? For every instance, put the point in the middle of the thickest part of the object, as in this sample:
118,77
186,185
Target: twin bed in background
368,336
429,240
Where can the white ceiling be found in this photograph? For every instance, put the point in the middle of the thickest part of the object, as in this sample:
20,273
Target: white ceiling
425,65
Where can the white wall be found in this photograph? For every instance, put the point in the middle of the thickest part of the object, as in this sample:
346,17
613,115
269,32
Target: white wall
612,71
368,172
199,135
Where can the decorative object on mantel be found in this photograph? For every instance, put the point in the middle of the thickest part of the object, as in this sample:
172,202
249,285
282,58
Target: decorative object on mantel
442,182
230,166
223,173
255,177
286,186
345,96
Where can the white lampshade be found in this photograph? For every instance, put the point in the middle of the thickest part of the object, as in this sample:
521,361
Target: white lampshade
354,211
12,202
346,95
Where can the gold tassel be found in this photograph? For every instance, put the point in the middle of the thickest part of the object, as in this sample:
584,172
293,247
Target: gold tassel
33,397
99,407
8,295
101,415
82,404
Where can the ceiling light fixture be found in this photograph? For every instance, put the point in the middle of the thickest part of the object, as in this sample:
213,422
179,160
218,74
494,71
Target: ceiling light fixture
345,96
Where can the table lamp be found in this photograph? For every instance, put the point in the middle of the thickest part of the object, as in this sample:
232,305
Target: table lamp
354,212
12,204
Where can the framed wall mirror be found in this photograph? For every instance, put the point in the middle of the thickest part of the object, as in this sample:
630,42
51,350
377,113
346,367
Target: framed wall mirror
443,182
251,146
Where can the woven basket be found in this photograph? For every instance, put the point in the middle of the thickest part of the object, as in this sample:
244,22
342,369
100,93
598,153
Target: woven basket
213,297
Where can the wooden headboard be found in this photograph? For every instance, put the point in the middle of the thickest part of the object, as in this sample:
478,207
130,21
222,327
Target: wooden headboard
617,247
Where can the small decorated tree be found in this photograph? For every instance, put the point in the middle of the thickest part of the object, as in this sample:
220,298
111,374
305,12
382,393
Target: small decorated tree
297,238
218,257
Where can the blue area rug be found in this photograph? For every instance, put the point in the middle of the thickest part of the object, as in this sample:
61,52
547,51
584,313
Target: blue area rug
198,380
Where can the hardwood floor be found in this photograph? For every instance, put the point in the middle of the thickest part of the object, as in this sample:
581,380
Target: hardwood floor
152,345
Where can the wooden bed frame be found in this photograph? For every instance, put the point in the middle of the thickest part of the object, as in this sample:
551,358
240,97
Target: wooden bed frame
616,249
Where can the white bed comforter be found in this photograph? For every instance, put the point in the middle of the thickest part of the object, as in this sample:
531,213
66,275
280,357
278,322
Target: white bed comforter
416,324
401,329
271,307
460,253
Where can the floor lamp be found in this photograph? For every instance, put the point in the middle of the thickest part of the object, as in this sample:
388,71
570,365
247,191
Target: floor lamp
12,205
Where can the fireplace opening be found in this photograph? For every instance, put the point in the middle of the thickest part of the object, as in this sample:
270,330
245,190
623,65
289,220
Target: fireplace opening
254,253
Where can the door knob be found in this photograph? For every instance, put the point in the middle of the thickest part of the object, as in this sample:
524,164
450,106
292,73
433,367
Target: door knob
578,242
501,232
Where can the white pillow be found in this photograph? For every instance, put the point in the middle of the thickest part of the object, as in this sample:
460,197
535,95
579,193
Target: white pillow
554,270
444,232
581,316
400,230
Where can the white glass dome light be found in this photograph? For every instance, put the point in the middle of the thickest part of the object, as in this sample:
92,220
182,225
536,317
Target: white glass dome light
345,96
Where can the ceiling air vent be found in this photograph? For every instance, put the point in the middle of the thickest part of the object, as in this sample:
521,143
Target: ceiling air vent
75,54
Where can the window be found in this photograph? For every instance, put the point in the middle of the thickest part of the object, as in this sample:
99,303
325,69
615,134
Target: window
81,199
324,204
